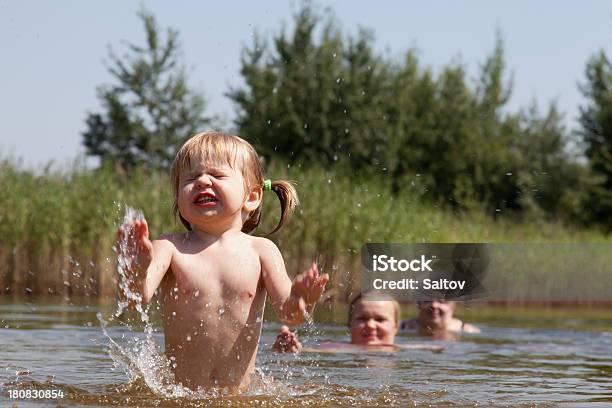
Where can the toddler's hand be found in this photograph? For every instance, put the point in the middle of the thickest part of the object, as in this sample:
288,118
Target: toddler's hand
286,341
134,245
308,287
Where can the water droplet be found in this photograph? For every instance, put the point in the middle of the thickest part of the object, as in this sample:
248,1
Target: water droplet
221,311
508,174
196,293
188,338
338,80
305,125
334,55
249,338
173,313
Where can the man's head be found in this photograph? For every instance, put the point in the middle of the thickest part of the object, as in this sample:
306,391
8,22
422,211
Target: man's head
436,314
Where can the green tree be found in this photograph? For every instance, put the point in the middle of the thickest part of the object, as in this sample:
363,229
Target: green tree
319,97
494,135
291,91
149,112
313,101
596,132
551,179
410,104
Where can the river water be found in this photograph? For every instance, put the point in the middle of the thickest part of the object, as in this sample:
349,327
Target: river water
552,361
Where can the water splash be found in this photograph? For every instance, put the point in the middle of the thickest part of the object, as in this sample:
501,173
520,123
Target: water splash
140,355
141,358
126,261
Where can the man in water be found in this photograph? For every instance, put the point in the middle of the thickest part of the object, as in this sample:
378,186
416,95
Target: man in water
436,319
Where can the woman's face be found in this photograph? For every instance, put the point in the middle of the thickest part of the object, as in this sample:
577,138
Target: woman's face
373,323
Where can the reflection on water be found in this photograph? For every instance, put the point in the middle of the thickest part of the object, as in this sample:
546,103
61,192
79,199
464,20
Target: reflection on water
50,346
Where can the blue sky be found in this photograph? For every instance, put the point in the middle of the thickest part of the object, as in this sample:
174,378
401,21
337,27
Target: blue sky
53,52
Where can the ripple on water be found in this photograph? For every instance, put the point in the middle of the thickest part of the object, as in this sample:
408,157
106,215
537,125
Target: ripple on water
56,346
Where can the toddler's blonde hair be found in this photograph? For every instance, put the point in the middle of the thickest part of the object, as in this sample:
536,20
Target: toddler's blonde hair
219,148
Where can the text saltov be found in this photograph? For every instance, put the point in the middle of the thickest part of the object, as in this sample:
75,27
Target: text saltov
415,284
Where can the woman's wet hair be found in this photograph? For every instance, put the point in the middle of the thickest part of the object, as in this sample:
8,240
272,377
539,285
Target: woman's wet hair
219,148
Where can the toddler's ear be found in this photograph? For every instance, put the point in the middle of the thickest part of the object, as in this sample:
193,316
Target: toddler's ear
253,199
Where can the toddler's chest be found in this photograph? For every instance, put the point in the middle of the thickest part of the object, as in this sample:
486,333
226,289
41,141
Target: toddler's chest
236,273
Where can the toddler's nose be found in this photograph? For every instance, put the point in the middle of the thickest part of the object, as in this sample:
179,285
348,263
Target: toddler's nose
204,181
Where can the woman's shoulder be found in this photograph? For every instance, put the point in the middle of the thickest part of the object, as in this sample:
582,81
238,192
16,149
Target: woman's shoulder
469,328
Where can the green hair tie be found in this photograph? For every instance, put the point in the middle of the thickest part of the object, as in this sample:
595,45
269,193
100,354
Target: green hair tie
267,184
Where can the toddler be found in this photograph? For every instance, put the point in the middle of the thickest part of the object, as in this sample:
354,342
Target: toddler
215,276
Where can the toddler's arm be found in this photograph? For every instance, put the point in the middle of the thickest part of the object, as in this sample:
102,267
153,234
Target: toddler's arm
149,260
290,300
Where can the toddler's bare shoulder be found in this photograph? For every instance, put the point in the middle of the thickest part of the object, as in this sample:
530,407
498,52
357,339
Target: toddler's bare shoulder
263,246
170,241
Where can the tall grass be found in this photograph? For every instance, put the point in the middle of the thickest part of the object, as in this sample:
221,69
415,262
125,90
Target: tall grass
57,227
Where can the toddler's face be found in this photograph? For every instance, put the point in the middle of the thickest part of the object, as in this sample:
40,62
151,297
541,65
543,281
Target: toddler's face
210,193
373,323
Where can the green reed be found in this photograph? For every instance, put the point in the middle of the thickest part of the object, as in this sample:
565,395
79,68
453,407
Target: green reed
57,226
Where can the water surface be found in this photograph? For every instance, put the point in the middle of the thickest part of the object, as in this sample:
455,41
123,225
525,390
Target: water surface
553,361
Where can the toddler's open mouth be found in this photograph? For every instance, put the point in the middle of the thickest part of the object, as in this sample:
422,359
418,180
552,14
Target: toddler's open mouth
204,198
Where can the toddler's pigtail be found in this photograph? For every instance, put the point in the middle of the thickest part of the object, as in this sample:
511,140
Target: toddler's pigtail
288,198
